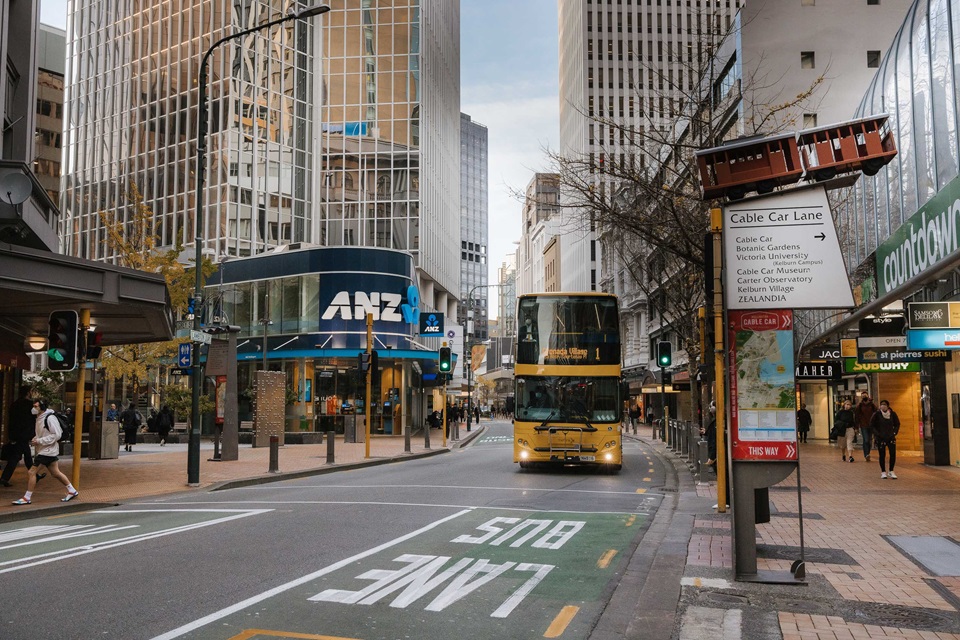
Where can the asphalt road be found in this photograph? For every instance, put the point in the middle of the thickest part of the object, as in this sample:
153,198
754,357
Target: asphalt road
462,545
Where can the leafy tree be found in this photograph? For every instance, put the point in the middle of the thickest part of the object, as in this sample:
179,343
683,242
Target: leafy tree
133,242
180,401
638,187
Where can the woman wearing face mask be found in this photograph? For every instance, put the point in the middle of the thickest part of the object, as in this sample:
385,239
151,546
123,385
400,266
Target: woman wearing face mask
48,433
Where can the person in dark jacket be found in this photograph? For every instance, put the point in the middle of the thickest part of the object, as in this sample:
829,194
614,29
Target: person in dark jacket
864,413
22,423
886,425
130,419
804,420
845,426
164,424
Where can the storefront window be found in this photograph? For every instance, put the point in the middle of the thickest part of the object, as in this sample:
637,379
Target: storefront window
310,288
290,322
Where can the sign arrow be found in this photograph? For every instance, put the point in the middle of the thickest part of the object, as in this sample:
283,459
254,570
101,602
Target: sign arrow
791,451
822,236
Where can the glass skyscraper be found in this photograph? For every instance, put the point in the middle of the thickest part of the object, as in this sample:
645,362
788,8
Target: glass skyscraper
324,131
474,225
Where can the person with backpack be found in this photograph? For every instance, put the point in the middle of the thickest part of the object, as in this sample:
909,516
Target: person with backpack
130,420
47,434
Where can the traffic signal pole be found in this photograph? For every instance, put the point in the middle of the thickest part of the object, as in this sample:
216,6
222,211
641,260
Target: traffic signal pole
366,400
78,403
716,228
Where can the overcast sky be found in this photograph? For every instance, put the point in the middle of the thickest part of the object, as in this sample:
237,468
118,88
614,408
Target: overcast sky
509,80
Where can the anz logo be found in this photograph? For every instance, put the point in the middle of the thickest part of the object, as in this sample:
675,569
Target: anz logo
388,307
432,325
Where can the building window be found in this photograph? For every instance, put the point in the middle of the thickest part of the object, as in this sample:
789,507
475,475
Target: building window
809,120
873,59
808,60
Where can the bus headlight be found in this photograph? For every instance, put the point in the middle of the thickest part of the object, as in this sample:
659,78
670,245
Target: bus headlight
524,455
608,457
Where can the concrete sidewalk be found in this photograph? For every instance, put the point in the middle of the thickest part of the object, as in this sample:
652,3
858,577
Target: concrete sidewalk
152,470
882,556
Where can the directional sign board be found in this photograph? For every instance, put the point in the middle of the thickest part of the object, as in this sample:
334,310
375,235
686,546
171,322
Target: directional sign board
183,355
781,252
201,337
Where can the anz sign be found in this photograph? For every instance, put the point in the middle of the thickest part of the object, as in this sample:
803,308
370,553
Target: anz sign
431,324
383,306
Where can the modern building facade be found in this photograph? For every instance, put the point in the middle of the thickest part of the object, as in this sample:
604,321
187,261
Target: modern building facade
900,233
541,227
474,226
340,130
51,63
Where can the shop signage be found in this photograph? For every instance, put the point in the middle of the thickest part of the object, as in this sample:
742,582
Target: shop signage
382,305
778,252
848,348
850,365
831,370
825,352
763,422
927,240
934,315
882,326
431,324
939,339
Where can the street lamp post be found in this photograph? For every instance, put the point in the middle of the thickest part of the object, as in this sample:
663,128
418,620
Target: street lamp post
468,347
193,448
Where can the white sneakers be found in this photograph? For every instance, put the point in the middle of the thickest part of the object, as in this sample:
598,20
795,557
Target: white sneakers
883,475
892,475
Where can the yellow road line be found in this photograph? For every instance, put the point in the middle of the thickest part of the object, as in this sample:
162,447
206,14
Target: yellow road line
605,559
631,520
246,634
641,490
559,624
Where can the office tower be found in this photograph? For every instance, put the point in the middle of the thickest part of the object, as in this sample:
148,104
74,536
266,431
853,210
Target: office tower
629,63
339,129
474,226
541,226
51,60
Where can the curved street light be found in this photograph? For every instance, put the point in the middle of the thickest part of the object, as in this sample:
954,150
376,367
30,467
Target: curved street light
193,447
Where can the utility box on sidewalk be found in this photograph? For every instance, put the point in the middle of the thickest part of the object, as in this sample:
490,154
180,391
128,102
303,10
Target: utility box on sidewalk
104,441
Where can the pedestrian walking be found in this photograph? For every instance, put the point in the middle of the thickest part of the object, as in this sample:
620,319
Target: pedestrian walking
164,424
47,434
476,415
650,415
21,430
845,428
886,425
804,420
634,415
864,414
130,419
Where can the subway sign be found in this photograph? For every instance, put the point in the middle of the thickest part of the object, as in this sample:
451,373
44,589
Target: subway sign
850,365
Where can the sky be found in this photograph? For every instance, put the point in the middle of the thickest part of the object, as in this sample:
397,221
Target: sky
508,82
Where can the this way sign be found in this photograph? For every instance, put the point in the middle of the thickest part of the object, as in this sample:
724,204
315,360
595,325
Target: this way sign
183,357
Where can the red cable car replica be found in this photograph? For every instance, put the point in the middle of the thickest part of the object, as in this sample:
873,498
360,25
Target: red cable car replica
865,145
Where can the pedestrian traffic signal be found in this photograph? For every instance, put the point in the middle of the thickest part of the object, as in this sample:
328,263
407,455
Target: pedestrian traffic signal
664,353
62,341
93,348
445,360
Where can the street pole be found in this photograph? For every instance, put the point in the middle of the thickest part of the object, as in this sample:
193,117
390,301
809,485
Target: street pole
716,228
193,446
78,405
366,399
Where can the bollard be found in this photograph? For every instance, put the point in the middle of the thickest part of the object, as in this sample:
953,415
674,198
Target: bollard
406,438
330,457
274,455
426,436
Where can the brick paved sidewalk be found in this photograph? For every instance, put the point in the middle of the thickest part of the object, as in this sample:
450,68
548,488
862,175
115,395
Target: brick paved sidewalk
850,513
152,470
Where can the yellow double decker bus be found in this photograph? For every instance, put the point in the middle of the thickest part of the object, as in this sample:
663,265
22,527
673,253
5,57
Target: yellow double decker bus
567,376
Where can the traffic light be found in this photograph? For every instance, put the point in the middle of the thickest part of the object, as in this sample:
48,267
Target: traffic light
94,338
363,365
664,353
191,307
445,360
62,341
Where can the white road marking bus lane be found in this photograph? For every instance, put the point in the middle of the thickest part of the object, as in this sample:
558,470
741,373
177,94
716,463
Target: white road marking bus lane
486,572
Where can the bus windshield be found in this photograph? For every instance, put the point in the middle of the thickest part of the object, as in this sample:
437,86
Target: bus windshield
568,330
577,399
